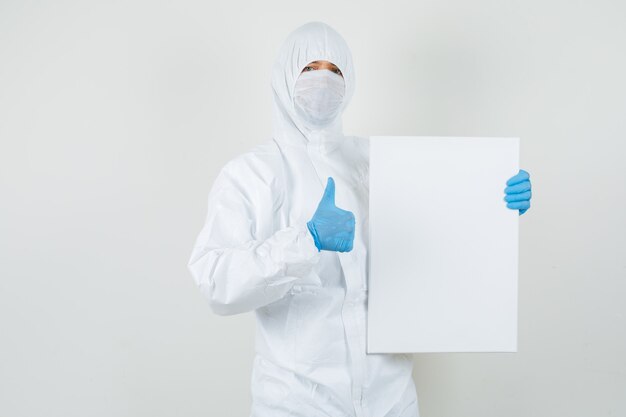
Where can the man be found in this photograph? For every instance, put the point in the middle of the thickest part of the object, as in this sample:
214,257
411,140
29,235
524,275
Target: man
272,246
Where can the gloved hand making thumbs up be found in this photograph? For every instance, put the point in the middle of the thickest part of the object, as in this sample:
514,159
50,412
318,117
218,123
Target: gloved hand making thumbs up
332,228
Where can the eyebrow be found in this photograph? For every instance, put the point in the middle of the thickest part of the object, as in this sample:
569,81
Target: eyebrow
317,62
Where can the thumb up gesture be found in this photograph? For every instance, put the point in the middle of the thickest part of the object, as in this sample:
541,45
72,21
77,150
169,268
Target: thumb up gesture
332,228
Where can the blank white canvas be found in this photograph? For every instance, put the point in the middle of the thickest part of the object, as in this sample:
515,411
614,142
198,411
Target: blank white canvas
443,245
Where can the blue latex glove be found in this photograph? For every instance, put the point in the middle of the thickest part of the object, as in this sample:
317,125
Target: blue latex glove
518,192
332,228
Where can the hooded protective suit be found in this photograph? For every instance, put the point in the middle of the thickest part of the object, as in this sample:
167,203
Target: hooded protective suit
255,253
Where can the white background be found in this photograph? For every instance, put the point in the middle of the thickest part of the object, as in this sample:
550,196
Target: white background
116,116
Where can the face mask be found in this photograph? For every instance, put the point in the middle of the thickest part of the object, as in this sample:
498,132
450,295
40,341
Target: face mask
318,96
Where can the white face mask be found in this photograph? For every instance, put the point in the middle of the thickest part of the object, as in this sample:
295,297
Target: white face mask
318,96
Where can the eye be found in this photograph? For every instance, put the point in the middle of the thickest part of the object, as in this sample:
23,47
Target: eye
338,71
305,68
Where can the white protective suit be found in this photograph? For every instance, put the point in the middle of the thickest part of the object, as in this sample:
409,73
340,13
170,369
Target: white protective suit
255,253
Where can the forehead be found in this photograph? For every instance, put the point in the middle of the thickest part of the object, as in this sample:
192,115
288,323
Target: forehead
322,62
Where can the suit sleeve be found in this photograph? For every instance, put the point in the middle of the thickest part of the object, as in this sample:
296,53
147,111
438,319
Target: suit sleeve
235,271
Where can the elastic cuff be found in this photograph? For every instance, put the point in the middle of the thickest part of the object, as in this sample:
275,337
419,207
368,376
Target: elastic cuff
305,236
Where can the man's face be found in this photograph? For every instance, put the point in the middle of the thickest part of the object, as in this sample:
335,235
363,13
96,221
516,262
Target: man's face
317,65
